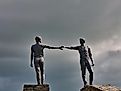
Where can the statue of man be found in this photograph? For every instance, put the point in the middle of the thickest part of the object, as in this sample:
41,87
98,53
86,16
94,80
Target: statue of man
38,55
85,54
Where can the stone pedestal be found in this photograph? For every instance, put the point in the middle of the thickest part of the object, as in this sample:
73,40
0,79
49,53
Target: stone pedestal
44,87
100,88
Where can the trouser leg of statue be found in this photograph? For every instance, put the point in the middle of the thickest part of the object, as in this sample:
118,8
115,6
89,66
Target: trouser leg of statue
85,64
37,75
83,69
42,71
38,72
90,72
39,68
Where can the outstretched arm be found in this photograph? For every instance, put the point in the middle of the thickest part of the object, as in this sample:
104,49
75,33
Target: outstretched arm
32,53
50,47
90,55
72,48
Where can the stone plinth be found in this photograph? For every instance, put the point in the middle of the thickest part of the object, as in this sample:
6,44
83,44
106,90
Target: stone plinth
100,88
44,87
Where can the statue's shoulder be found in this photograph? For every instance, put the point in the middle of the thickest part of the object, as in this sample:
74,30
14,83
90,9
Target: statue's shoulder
43,45
33,45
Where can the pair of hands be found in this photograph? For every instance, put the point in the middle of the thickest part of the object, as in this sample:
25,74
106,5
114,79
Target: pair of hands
61,47
92,64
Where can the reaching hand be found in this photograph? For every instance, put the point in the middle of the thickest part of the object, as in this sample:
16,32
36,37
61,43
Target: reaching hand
92,64
31,65
61,47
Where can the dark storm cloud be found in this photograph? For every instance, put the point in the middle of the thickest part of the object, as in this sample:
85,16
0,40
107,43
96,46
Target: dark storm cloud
61,19
54,16
100,18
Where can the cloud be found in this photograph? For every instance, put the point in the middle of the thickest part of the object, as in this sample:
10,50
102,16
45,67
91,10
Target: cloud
14,73
108,70
62,72
90,19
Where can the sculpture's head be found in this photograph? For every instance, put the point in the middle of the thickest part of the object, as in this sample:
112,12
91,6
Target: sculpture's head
82,41
38,39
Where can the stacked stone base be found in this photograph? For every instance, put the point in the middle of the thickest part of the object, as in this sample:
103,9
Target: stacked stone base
44,87
100,88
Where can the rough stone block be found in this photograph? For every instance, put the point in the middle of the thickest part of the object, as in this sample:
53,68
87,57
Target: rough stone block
100,88
44,87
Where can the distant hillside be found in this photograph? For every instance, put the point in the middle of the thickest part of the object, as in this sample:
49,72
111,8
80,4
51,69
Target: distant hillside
100,88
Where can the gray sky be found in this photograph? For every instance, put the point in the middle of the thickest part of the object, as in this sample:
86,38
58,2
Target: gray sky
59,22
